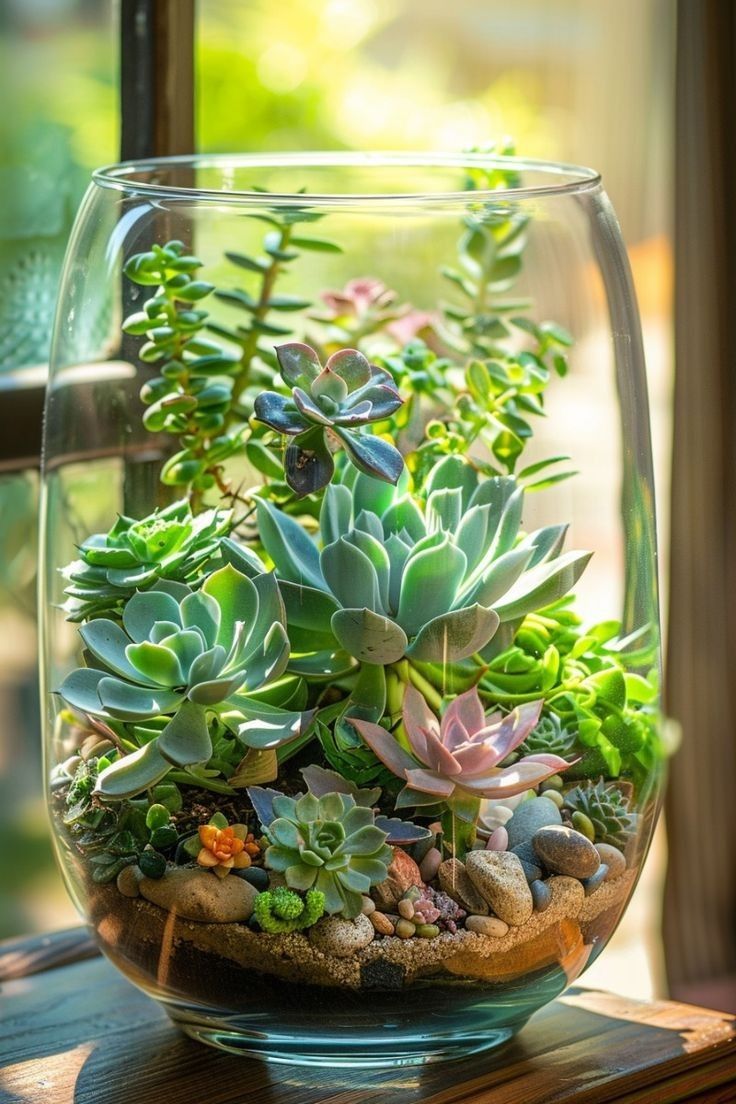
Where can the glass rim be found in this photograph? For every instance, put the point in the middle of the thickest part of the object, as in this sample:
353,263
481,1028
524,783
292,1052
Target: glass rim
564,178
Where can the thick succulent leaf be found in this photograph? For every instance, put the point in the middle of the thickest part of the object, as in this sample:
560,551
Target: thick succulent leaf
201,611
368,522
430,584
207,665
270,660
323,665
336,512
309,409
243,559
543,584
256,766
308,462
292,550
508,527
155,665
216,690
372,455
329,383
546,543
135,703
268,727
161,630
133,774
270,604
454,636
385,746
373,549
298,363
277,411
453,471
352,367
107,642
80,691
494,578
368,636
444,509
350,575
237,598
321,781
186,739
307,608
430,782
187,646
261,798
353,880
473,534
398,553
405,517
401,833
145,608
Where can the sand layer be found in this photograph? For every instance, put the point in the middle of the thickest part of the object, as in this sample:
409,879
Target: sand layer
152,944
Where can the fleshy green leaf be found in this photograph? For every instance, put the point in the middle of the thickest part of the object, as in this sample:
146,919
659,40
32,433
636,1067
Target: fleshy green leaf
368,636
186,739
454,636
132,774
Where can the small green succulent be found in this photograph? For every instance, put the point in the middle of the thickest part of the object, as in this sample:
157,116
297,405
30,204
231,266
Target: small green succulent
327,406
168,544
179,653
549,737
398,576
330,844
282,910
607,807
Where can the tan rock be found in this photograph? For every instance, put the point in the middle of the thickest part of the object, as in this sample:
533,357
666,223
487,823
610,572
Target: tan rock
333,935
501,881
487,925
381,923
197,894
128,881
456,882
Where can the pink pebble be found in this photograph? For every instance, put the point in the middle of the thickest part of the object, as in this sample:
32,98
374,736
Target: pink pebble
498,839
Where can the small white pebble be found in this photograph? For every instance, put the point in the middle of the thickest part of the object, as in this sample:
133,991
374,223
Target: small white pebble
368,906
406,909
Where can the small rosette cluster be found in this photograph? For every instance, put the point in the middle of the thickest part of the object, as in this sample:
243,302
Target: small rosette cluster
326,409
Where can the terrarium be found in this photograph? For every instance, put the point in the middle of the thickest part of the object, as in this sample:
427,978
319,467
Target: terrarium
350,627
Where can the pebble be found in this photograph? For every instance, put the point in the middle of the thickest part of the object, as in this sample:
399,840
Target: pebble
556,797
405,929
197,894
406,908
456,883
529,861
565,851
381,923
591,884
529,818
499,877
368,906
333,935
403,872
541,895
613,858
583,823
430,864
498,839
128,881
554,783
427,931
487,925
254,875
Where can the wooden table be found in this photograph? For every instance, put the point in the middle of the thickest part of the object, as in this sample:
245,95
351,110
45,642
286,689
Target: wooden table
73,1031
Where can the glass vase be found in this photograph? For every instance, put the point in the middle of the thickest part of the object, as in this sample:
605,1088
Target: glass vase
350,646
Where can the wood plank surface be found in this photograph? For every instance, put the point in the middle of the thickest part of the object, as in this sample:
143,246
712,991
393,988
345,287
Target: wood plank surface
79,1033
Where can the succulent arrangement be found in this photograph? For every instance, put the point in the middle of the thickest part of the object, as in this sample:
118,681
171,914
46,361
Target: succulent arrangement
328,689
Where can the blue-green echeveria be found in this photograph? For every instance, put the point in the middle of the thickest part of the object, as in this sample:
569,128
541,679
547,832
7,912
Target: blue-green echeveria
180,653
395,575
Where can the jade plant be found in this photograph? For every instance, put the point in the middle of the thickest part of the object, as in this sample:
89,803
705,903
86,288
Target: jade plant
340,593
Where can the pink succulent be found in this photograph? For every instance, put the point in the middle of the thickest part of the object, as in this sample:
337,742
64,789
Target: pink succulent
358,297
459,756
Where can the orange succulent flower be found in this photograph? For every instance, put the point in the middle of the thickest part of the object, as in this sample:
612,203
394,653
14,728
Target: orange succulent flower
223,849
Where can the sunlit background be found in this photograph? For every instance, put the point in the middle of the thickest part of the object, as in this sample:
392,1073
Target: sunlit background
568,79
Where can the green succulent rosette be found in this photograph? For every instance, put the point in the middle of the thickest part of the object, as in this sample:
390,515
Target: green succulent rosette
180,653
329,844
168,544
327,407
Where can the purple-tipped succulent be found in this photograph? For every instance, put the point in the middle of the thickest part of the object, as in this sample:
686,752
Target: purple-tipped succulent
460,756
326,409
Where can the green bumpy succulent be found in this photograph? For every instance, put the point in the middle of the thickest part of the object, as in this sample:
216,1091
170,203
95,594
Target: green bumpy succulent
329,844
179,653
607,807
549,737
168,544
398,577
329,405
282,910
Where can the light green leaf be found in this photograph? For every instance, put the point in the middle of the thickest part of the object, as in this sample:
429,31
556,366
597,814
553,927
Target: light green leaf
133,774
350,575
292,550
454,636
543,584
430,584
237,599
368,636
186,739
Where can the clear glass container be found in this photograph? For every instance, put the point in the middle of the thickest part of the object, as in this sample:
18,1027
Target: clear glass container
350,660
